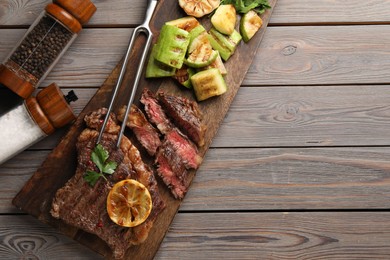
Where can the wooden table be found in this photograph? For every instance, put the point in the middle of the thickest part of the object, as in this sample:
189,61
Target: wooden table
300,166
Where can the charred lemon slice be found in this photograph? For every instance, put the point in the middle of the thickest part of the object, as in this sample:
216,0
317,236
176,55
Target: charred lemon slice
199,8
129,203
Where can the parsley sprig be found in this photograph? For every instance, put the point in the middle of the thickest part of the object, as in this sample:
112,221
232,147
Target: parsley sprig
99,156
244,6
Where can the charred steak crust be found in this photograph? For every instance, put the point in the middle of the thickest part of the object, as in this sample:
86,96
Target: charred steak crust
177,153
186,115
80,205
155,112
176,176
145,133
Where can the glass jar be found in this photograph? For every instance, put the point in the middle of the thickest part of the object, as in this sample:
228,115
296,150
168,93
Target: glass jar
8,99
33,120
43,44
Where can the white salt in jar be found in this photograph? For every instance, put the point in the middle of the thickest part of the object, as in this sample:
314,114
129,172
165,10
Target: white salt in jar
33,120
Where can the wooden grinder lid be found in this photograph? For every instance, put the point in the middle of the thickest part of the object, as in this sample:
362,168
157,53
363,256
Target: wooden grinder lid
66,18
55,106
82,10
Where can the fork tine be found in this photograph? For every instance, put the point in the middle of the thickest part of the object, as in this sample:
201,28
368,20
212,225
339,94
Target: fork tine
143,28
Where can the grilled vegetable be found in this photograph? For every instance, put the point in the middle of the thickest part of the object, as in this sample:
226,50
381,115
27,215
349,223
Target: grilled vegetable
183,76
172,46
200,52
218,64
198,8
224,19
186,23
195,32
250,23
156,69
208,83
225,45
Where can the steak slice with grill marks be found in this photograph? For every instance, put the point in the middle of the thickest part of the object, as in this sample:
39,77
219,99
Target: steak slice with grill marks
175,157
80,205
183,148
177,154
155,112
172,171
186,115
146,134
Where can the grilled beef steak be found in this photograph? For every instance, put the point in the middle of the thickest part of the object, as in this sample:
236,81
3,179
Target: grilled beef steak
146,134
80,205
177,154
172,171
183,148
186,115
155,112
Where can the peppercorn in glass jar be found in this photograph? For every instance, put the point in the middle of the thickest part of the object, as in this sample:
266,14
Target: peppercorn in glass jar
44,43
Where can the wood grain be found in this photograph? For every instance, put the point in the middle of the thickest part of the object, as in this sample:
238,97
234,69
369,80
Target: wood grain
303,116
307,116
279,235
291,179
309,235
276,150
311,55
331,12
297,55
39,242
261,179
37,202
13,175
125,13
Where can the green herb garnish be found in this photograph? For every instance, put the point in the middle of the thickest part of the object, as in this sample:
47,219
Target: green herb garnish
99,156
244,6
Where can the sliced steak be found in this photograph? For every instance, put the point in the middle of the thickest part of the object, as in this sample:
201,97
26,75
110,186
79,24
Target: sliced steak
145,133
183,148
186,115
177,154
175,157
80,205
155,112
176,176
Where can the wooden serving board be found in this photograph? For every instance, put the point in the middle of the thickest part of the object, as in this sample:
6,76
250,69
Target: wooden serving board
36,196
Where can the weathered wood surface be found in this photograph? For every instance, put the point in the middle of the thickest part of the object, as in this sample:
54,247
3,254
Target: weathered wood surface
281,235
124,13
289,55
36,195
295,116
262,179
25,237
285,146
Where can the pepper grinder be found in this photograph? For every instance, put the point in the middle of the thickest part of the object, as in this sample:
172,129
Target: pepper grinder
39,50
33,120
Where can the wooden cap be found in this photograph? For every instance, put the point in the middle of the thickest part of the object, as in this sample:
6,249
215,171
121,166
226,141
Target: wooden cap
55,107
12,81
66,18
82,10
39,116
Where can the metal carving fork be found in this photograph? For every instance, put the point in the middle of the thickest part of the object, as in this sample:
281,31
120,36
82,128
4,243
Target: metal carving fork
143,28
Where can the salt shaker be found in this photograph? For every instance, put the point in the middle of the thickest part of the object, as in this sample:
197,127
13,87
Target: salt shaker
44,43
33,120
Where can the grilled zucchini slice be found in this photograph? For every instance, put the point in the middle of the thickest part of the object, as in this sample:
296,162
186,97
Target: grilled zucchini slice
208,83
